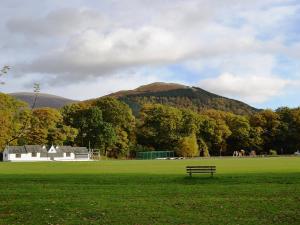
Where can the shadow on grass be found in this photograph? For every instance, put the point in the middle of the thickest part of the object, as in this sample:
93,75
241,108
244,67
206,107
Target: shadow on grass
150,179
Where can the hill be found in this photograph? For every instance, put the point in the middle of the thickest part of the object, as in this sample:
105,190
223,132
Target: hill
181,96
43,100
175,95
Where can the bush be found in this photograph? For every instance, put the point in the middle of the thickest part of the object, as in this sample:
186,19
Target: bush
272,152
188,147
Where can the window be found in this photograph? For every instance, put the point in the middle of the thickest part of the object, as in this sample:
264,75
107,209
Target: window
18,155
33,154
68,154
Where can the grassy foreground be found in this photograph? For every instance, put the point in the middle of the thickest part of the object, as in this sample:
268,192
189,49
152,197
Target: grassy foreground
244,191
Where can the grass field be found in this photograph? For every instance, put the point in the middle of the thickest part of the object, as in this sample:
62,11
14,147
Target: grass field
244,191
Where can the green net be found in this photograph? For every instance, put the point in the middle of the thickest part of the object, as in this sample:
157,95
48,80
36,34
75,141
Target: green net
155,154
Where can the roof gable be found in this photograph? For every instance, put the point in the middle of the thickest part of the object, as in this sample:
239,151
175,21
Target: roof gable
52,150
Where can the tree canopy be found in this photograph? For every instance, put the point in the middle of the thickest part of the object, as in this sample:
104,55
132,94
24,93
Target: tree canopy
109,125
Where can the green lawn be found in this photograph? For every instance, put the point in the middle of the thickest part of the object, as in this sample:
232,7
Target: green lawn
244,191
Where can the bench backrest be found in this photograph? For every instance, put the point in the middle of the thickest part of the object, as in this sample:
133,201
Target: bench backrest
201,169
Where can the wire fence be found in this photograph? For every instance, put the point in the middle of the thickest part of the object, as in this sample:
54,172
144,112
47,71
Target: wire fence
155,154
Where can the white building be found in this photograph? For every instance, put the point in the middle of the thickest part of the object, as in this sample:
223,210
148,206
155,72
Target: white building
40,153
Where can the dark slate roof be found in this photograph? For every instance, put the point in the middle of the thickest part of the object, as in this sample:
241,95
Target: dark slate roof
15,149
73,149
35,148
26,149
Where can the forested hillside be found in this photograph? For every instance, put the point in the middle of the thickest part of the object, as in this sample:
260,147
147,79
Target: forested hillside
181,96
175,95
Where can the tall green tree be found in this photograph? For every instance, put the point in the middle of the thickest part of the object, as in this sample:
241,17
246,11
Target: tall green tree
161,127
214,132
93,130
268,122
288,136
120,116
240,132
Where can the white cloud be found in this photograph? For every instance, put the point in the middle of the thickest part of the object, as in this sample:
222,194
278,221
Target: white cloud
253,89
57,23
95,54
173,32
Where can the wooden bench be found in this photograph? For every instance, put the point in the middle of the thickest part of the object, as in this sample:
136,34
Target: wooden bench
201,169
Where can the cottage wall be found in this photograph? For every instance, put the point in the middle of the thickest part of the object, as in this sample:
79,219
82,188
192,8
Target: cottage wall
26,157
72,157
65,158
45,156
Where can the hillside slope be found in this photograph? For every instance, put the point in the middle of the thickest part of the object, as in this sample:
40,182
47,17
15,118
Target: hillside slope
43,100
181,96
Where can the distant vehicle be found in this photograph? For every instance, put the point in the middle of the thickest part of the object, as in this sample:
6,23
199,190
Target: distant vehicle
297,153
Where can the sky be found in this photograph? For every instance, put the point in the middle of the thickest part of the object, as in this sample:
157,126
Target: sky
247,50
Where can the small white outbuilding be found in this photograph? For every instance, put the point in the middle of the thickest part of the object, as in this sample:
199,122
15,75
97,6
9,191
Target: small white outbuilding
40,153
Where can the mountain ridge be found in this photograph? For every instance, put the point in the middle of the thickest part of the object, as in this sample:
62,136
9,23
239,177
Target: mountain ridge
173,94
43,99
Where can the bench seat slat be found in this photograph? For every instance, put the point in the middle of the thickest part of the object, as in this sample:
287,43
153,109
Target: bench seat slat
201,167
203,171
200,170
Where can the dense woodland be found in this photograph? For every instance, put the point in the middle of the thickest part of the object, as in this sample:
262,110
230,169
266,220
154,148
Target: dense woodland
109,125
180,96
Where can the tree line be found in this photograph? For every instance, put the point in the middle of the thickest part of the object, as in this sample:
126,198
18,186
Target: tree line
109,125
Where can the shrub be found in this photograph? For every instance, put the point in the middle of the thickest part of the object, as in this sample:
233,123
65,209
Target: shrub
188,146
272,152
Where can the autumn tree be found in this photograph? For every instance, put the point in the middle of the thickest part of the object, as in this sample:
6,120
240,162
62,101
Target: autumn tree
46,127
13,113
187,146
